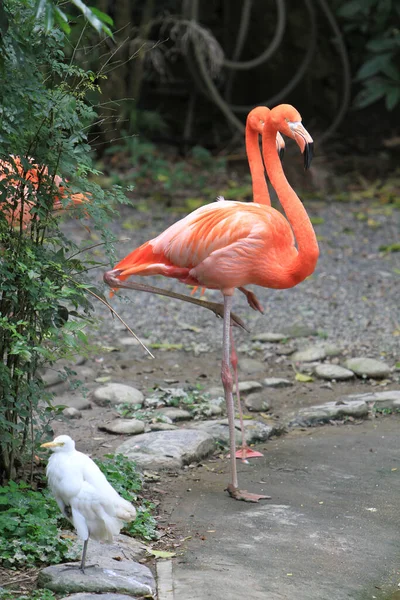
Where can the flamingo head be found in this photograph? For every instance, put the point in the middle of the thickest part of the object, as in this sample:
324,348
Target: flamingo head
255,121
287,120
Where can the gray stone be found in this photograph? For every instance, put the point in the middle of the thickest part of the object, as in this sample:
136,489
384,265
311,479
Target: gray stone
124,576
248,386
368,367
86,373
332,349
74,402
387,399
285,350
330,411
255,431
277,382
122,546
257,402
298,330
124,426
72,413
327,371
52,377
309,354
250,366
162,427
307,367
175,414
88,596
167,449
269,336
212,409
117,393
216,392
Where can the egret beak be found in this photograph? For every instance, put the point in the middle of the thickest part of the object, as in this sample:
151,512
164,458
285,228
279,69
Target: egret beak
51,444
303,140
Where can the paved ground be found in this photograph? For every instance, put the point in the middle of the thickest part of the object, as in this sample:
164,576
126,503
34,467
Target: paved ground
330,531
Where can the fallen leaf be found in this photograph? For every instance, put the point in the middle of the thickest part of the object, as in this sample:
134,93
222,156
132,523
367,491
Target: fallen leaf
159,346
161,553
303,378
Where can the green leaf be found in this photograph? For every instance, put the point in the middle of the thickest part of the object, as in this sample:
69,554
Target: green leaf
372,66
161,553
101,15
392,98
303,378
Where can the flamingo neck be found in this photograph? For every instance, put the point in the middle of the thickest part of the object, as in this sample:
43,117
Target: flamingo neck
306,258
260,188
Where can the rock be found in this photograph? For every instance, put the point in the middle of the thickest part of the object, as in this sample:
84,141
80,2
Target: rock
269,336
85,373
277,382
309,354
153,402
308,367
72,413
88,596
332,350
124,426
74,402
327,371
117,393
167,449
162,427
327,412
298,330
248,386
368,367
250,366
124,576
255,431
51,377
175,414
257,402
216,392
388,399
285,350
122,546
129,340
212,410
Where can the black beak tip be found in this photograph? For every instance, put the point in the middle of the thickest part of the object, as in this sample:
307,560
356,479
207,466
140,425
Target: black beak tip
281,153
308,155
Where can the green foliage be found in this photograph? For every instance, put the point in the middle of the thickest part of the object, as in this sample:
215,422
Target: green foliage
375,40
52,14
32,595
44,306
127,481
30,524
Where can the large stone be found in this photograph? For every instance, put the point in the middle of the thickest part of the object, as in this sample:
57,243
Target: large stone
175,414
269,336
327,371
52,377
330,411
72,413
246,387
257,402
88,596
368,367
277,382
387,399
255,431
100,553
309,354
124,426
162,426
117,393
124,576
167,449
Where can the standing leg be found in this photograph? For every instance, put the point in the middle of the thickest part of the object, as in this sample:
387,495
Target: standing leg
85,545
226,376
245,452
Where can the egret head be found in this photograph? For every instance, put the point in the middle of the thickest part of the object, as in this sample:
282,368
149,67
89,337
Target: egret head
62,443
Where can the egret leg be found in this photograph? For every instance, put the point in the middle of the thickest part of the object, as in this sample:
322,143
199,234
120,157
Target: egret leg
85,545
245,452
227,382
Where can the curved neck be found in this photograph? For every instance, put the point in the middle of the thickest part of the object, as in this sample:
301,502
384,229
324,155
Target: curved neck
260,188
307,245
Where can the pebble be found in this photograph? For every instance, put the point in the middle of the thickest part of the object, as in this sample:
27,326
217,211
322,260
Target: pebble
298,330
327,371
216,392
332,350
72,413
167,449
175,414
277,382
324,413
123,426
310,354
248,386
269,336
285,350
368,367
117,393
250,366
74,402
257,402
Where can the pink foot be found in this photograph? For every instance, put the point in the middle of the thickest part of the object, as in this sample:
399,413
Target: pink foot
247,452
244,495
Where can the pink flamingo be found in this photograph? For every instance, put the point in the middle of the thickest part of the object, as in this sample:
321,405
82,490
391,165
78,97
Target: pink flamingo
227,245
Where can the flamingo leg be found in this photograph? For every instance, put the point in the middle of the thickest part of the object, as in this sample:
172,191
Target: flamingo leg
245,452
227,382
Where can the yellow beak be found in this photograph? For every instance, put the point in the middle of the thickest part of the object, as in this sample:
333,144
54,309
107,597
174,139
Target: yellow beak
51,445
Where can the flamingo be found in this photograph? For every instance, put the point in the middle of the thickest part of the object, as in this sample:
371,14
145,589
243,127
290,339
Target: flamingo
227,245
33,176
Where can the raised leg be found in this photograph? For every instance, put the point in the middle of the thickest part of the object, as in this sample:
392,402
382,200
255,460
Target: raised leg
245,452
252,299
227,382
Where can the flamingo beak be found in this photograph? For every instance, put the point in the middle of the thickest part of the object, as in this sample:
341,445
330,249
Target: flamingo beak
280,146
304,141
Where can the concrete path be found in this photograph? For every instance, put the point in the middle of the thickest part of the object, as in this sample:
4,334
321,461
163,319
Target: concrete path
330,532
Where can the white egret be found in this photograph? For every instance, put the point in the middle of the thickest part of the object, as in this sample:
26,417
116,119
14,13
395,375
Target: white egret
84,495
